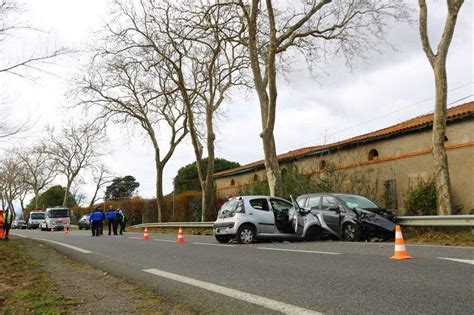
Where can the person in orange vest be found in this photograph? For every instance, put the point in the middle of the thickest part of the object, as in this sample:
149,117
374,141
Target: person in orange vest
8,217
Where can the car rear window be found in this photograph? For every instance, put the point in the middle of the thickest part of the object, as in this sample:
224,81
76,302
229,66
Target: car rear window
259,204
228,208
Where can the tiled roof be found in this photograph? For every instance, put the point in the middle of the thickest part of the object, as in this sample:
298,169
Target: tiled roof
454,113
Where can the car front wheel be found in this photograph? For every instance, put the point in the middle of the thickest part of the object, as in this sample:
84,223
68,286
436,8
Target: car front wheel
223,238
351,232
313,234
246,234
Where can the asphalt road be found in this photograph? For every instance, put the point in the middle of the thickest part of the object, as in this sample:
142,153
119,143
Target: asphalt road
293,278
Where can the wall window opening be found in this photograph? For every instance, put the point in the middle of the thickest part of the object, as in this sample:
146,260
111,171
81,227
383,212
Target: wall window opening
373,155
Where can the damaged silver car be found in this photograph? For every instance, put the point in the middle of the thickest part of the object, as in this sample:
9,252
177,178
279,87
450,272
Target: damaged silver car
352,217
248,218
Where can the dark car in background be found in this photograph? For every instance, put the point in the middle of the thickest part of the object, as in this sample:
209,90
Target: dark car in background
353,217
19,224
84,222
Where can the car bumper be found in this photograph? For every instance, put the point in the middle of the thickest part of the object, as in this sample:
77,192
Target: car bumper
225,228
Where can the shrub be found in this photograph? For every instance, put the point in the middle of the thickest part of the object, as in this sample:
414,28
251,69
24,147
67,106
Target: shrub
422,199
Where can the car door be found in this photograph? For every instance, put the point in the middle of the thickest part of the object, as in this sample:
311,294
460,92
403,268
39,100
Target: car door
262,214
281,210
329,208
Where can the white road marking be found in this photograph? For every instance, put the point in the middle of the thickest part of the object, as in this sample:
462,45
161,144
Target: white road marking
84,251
19,235
299,250
135,238
466,261
168,241
236,294
407,244
210,244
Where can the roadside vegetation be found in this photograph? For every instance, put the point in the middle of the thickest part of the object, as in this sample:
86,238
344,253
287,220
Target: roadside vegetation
25,287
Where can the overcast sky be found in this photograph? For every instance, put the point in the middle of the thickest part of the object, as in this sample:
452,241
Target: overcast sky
381,90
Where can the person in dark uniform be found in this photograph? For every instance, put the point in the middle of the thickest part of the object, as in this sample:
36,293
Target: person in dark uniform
102,222
112,223
122,220
96,221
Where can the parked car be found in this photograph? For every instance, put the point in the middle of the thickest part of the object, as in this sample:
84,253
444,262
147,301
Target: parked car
84,222
353,217
35,219
19,224
248,218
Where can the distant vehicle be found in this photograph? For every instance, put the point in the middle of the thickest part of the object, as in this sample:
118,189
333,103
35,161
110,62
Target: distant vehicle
353,217
84,222
19,224
56,218
35,219
248,218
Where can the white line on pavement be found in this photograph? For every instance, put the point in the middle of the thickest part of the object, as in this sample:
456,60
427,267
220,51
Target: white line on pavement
299,250
210,244
84,251
236,294
19,235
135,238
467,261
168,241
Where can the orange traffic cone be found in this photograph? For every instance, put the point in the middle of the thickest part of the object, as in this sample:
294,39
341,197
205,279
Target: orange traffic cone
400,250
1,230
66,230
180,238
145,234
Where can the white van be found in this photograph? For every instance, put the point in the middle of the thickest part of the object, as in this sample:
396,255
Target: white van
35,219
56,218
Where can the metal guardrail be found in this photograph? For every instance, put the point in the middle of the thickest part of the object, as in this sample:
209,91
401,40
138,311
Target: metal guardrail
437,220
428,220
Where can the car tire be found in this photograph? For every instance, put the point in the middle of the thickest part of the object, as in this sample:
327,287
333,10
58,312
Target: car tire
351,232
246,234
80,227
313,234
223,238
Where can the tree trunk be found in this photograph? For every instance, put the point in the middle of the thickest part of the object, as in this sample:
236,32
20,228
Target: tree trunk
272,166
438,64
160,200
36,198
443,183
66,193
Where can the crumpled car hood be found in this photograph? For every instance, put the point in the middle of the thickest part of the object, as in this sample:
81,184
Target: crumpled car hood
370,217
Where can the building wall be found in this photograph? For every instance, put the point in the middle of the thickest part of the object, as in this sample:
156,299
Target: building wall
402,160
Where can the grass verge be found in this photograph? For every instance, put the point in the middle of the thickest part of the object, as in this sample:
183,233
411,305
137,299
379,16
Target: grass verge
25,287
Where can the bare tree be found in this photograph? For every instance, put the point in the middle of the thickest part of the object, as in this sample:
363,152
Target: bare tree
11,181
273,31
73,149
438,63
127,91
101,178
10,24
40,169
197,49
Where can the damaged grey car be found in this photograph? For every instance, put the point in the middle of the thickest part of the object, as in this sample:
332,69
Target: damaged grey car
248,218
352,217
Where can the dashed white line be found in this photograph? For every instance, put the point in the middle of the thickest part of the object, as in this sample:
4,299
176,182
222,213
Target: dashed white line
84,251
210,244
466,261
299,250
236,294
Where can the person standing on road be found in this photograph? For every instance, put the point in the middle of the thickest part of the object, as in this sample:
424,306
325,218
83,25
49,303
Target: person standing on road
102,221
96,221
112,223
8,217
122,220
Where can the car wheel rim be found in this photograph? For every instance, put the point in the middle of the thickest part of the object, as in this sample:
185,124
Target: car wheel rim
246,236
350,232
